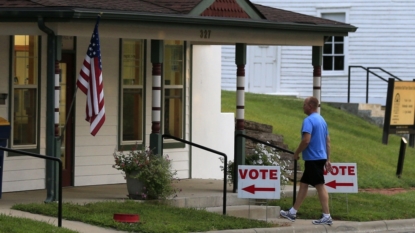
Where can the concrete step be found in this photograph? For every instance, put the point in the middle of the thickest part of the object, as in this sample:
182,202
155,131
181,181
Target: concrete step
249,211
364,106
377,113
208,201
373,113
375,109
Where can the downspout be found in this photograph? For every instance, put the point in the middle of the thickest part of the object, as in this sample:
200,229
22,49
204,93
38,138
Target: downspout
51,169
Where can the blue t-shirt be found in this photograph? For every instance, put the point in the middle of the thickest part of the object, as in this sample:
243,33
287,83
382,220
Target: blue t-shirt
315,125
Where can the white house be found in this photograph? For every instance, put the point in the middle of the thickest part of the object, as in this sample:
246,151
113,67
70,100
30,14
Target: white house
384,39
161,71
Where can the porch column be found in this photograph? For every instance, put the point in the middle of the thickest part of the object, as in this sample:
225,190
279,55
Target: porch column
412,136
156,60
317,61
239,159
51,167
58,140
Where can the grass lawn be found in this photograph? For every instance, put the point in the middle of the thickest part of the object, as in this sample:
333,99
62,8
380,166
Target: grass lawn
10,224
154,218
353,141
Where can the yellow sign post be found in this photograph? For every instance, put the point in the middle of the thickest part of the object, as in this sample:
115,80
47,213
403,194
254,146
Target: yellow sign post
403,105
400,110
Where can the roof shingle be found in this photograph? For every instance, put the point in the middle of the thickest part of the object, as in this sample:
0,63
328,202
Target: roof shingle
220,8
284,16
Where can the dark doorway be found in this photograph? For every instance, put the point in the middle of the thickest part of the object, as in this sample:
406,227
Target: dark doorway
67,84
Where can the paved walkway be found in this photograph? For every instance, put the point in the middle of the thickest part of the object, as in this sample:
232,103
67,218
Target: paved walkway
195,192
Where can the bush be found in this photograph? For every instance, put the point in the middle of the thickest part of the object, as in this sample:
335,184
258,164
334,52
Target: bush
151,169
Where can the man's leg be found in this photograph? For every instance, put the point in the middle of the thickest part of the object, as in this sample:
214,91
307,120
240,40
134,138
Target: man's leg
302,193
292,213
324,198
324,201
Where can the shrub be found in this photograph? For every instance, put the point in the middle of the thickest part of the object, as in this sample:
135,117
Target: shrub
151,169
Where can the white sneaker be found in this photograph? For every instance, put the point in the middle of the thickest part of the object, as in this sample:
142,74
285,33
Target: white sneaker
323,221
288,215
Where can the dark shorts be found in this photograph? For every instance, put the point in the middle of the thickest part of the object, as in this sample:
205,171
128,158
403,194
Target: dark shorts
313,172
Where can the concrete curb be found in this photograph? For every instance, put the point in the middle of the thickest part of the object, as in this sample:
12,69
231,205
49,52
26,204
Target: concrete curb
375,226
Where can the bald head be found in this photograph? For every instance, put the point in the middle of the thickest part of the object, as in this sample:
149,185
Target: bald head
310,105
313,102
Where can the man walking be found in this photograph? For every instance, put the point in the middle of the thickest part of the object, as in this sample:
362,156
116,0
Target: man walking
315,147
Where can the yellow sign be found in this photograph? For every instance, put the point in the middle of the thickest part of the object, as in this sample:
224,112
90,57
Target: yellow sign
403,104
4,121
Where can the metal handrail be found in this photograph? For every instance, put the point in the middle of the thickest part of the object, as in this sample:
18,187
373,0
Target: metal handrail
368,71
235,177
225,170
379,68
60,176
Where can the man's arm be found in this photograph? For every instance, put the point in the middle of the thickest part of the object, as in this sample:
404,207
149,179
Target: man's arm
303,144
328,147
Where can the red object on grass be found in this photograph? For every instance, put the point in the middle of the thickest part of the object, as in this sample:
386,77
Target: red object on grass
131,218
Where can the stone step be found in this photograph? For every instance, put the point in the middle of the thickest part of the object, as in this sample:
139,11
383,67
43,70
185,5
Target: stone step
377,113
249,211
364,106
373,113
209,201
375,109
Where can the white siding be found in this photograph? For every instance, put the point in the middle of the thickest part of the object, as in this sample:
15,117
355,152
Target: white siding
228,68
23,173
384,38
292,78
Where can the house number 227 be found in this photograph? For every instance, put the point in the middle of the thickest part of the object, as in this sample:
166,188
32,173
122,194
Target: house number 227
205,34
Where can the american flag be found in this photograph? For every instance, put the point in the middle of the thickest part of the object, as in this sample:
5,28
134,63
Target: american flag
91,84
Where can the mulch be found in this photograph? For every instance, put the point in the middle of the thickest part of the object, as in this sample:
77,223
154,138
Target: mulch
390,191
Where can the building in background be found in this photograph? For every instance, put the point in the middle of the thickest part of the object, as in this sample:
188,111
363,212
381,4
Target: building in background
384,39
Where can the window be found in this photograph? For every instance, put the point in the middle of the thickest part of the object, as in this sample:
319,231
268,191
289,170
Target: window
132,72
333,53
334,47
25,85
173,91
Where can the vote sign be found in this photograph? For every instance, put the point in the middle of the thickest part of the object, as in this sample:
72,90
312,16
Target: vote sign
259,182
342,179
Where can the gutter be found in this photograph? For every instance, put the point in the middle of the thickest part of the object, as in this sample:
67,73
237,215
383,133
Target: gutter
51,169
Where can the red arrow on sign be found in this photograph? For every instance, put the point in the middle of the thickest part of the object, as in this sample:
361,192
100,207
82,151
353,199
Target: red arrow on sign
334,184
252,189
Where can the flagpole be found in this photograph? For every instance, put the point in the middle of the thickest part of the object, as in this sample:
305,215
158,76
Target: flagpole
69,112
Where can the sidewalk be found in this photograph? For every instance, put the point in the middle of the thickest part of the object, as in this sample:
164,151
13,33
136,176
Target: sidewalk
73,225
197,193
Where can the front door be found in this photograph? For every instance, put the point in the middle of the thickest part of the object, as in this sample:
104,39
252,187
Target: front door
66,117
262,69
